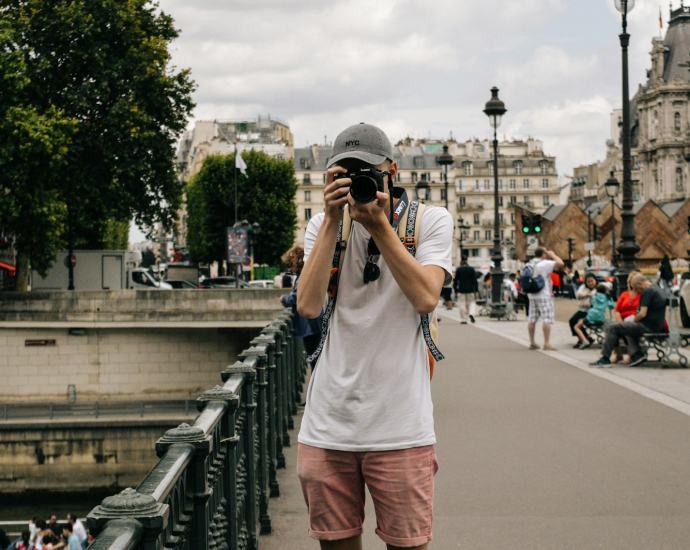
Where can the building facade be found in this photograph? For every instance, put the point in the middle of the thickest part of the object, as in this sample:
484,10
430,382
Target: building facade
527,176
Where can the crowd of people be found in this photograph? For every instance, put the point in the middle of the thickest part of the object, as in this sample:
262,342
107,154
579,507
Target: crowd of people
42,534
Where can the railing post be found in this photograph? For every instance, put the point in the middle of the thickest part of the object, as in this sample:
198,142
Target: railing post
269,343
228,440
282,435
261,352
202,444
250,444
130,505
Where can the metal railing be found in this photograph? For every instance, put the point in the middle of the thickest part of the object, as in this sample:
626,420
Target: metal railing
94,409
211,486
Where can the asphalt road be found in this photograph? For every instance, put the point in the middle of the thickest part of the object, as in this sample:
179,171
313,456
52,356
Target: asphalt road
535,454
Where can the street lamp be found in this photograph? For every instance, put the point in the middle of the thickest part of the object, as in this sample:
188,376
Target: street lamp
628,246
612,187
423,191
495,109
445,160
591,235
462,227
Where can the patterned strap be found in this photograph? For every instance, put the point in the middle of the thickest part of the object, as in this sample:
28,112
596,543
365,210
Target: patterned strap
411,236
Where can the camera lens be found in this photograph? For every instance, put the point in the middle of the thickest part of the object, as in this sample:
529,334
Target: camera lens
363,189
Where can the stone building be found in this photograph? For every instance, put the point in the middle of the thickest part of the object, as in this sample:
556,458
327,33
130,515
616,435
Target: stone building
527,176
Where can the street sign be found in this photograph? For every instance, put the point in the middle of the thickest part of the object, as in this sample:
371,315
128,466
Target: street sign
589,247
72,260
532,241
164,240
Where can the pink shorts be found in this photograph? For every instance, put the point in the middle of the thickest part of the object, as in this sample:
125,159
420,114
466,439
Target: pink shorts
401,484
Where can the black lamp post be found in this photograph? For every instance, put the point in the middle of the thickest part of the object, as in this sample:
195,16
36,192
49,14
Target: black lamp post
591,231
445,160
495,109
462,227
612,187
423,191
628,247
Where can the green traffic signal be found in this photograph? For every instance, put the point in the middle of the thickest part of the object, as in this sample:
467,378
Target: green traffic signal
536,223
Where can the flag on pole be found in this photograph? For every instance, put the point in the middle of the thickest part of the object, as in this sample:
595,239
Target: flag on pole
661,20
239,163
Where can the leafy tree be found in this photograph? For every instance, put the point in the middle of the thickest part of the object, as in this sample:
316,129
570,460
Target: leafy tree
116,235
103,67
266,194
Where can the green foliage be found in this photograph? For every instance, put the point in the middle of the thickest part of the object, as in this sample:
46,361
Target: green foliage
266,194
116,235
91,82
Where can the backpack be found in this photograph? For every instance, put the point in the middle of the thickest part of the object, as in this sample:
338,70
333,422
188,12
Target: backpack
530,284
408,231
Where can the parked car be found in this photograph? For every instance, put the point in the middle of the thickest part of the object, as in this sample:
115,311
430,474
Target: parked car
223,282
182,285
261,283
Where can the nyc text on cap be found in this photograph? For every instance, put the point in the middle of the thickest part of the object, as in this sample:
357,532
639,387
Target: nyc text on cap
364,142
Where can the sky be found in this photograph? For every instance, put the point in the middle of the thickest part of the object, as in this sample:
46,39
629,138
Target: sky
417,69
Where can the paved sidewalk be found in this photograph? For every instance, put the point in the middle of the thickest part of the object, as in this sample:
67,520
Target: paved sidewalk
535,455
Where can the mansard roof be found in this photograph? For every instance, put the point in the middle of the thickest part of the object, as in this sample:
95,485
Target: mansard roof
677,57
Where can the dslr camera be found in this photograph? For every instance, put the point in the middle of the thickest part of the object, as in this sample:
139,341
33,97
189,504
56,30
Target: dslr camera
365,183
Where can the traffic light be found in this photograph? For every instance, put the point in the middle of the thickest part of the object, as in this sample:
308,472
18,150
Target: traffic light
595,232
536,224
688,225
527,224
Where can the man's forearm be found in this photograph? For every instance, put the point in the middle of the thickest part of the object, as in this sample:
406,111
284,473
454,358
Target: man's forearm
418,284
313,282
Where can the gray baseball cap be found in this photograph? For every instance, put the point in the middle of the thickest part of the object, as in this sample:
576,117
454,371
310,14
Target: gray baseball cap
364,142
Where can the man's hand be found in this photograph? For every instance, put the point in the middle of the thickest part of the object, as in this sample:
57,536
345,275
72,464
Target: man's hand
369,215
335,193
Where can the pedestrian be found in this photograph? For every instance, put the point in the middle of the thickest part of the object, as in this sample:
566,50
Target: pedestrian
71,538
649,319
54,527
556,283
278,281
584,302
665,275
626,308
368,420
43,535
511,283
466,289
596,314
309,330
541,303
447,295
487,286
78,529
24,543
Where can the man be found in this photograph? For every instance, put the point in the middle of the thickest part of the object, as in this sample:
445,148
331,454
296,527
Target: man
368,416
78,529
54,527
649,319
541,303
466,289
73,542
511,283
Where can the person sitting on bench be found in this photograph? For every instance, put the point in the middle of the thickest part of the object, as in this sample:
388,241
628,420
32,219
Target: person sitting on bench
596,315
649,319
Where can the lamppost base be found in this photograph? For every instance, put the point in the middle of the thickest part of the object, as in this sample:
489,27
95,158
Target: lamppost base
498,310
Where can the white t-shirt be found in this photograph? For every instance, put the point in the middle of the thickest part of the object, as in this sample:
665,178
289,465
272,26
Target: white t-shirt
543,268
78,529
370,390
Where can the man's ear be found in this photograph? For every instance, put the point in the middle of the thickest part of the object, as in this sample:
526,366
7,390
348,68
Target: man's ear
393,169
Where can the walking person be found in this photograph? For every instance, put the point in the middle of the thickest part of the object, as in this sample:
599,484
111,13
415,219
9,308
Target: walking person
541,304
368,420
650,318
466,289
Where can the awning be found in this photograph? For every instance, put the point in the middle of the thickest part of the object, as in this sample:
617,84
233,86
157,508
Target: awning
8,267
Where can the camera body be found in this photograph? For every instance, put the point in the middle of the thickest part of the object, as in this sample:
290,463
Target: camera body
366,182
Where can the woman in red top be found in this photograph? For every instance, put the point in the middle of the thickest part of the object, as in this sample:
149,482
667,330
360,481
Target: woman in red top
626,308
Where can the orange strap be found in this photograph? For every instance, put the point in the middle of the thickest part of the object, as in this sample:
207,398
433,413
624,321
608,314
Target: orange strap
431,364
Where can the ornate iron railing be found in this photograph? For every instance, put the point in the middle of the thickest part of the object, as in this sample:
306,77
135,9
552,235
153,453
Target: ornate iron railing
211,486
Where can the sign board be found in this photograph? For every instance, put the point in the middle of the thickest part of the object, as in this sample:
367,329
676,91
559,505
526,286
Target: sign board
589,247
237,245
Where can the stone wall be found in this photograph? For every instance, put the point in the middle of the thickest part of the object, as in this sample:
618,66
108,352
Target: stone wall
79,456
104,363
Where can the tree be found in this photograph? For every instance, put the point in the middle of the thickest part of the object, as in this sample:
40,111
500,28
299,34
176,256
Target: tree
102,66
266,194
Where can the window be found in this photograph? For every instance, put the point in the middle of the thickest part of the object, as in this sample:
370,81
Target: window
397,177
513,200
501,234
487,185
677,124
518,168
525,184
679,179
512,217
414,177
512,235
476,219
461,201
500,201
475,253
324,178
306,178
491,168
500,219
545,200
477,235
487,235
307,214
426,176
525,199
443,194
544,183
544,167
468,168
307,196
513,184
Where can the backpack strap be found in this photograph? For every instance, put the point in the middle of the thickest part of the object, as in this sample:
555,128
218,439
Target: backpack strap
336,267
411,239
